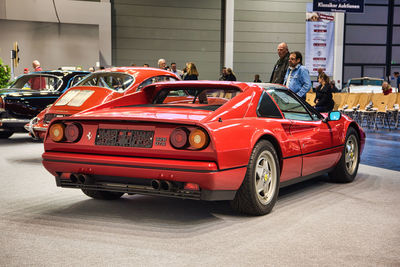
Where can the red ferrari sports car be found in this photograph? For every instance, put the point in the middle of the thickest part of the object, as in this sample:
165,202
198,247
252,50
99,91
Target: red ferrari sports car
99,87
202,140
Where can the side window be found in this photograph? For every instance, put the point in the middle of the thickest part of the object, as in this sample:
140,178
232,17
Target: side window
156,79
76,79
267,108
291,108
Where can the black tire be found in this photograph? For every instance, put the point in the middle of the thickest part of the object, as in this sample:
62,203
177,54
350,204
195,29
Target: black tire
258,193
4,135
346,169
104,195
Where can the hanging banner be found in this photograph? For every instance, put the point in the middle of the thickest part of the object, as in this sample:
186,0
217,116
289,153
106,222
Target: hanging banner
320,35
339,5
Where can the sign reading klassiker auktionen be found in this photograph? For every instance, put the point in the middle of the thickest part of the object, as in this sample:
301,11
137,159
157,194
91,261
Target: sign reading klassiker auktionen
339,5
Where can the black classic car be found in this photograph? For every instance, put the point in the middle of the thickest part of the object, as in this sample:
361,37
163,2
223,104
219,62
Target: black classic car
31,93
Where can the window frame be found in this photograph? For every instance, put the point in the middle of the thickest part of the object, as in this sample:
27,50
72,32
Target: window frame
312,112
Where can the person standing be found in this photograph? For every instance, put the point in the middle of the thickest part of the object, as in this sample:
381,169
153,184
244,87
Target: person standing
223,74
281,66
36,65
175,70
162,64
323,95
397,79
37,83
297,77
230,75
191,72
257,79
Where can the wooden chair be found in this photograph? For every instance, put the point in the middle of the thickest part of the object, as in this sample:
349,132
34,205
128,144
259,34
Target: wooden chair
350,105
381,103
310,96
393,109
366,112
339,99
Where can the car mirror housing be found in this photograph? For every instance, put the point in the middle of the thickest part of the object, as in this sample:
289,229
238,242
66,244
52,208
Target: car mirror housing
333,116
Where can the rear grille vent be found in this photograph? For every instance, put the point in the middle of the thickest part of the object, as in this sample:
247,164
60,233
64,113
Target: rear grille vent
124,138
49,117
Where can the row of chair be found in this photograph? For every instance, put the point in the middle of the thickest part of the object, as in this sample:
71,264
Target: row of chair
368,108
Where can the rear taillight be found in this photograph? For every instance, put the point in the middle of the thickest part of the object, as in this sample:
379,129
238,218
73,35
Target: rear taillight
56,132
1,102
65,132
189,138
198,139
179,138
73,132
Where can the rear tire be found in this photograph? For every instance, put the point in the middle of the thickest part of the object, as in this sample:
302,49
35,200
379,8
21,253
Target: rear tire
258,193
347,167
4,135
104,195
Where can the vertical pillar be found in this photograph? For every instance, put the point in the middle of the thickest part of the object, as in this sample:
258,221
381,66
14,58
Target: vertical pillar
229,21
338,50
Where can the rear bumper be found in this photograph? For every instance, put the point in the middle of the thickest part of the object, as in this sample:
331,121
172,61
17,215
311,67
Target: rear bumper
134,175
13,125
37,132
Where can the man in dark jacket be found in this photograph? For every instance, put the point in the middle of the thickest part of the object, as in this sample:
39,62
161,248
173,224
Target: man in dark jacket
281,66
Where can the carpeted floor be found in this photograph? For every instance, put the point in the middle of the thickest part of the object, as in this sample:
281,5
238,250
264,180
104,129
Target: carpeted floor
382,149
315,223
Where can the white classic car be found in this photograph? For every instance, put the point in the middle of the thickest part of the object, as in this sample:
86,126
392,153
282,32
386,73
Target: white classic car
364,85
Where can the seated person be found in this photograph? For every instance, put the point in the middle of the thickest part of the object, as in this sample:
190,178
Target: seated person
323,95
333,87
386,88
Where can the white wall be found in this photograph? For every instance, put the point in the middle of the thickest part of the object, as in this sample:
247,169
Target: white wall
53,44
259,27
77,29
178,30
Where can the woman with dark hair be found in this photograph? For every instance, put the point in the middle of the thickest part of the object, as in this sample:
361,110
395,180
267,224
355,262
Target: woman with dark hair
323,97
230,75
191,72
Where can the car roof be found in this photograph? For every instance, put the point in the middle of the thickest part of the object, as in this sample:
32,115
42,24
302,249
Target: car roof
137,72
61,72
199,84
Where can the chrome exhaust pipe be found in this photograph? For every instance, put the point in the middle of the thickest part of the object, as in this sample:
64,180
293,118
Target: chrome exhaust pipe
74,178
166,185
156,184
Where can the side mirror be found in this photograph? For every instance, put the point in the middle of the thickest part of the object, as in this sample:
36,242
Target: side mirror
333,116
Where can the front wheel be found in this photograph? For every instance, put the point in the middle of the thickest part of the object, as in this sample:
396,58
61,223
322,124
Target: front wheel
104,195
258,193
347,167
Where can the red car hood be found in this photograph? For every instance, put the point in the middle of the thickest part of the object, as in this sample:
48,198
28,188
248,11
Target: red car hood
180,115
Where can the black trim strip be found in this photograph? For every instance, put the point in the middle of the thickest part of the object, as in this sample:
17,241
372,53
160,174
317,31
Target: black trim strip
304,178
140,167
300,155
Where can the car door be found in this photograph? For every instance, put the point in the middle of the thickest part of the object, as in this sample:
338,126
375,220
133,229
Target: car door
314,136
272,118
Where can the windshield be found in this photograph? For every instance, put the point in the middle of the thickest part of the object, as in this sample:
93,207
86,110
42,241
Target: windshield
37,82
210,98
193,98
113,80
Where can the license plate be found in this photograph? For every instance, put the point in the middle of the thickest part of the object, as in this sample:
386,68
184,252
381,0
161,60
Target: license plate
124,138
